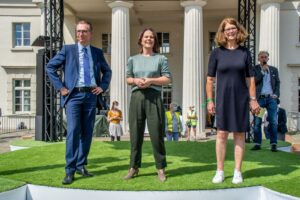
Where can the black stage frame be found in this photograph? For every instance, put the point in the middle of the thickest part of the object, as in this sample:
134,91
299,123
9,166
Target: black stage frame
247,17
53,113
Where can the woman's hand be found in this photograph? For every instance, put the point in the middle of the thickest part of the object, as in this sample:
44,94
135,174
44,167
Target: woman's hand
147,82
211,108
254,107
140,82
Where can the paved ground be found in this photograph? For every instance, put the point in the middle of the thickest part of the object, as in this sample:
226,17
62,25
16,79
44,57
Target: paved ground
5,139
296,138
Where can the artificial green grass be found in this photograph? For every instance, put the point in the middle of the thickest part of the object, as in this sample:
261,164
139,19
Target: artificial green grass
9,184
191,166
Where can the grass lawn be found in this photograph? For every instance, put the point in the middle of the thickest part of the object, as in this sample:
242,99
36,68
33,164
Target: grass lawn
191,166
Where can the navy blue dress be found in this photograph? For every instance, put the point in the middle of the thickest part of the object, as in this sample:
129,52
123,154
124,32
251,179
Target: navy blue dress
231,68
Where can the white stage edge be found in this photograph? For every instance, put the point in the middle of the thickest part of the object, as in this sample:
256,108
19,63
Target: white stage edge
35,192
15,148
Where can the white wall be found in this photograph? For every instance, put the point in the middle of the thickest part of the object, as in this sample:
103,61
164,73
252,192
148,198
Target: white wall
289,54
69,29
17,62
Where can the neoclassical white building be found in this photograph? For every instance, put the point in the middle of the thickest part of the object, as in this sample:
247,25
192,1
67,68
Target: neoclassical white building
185,29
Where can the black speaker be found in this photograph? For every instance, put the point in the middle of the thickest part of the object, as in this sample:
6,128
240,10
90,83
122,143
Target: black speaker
40,84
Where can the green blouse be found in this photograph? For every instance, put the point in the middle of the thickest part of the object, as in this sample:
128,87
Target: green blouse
154,66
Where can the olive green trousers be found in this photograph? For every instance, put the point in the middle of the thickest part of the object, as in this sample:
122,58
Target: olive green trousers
146,105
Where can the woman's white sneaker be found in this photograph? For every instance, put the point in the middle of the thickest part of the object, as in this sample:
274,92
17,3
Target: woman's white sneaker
237,177
219,177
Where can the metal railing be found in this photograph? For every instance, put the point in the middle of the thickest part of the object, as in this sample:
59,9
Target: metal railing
293,121
17,123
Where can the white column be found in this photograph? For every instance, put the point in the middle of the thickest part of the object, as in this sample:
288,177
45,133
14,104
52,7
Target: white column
120,51
193,73
270,29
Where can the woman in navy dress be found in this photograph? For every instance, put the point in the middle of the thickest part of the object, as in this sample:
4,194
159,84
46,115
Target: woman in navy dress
230,65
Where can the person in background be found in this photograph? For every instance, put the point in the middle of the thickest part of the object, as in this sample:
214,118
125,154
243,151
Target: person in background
235,90
191,122
267,91
282,127
210,123
114,117
265,123
146,73
173,123
179,109
282,120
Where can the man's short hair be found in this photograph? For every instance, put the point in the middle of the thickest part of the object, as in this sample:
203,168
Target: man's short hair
263,52
85,22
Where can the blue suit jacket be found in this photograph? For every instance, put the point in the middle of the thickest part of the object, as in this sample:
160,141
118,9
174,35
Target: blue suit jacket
68,59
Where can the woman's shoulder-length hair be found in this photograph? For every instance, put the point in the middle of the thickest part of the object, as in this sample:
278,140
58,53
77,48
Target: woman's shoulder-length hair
155,48
220,38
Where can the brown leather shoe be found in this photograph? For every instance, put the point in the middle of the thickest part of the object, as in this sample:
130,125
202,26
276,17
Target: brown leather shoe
161,175
132,172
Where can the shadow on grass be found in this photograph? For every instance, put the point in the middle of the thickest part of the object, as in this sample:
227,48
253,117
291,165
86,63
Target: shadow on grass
30,169
95,162
189,170
268,163
270,171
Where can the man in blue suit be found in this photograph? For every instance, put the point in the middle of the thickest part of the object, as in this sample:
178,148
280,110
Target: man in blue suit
82,66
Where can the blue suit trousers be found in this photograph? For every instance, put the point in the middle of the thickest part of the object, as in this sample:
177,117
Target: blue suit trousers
81,113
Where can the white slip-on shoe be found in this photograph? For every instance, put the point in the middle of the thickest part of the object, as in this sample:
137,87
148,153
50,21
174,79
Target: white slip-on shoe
219,177
237,177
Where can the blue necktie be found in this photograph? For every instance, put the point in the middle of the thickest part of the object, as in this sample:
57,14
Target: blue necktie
86,68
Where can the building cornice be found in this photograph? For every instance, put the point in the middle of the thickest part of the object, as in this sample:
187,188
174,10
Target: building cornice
18,67
23,49
260,2
113,4
2,5
293,65
200,3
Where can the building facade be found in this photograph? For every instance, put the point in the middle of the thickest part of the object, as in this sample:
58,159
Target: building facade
185,30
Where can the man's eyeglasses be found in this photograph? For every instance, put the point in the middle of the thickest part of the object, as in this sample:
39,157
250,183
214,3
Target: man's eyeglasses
230,29
82,31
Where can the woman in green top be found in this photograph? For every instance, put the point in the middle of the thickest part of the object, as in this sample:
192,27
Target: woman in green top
146,73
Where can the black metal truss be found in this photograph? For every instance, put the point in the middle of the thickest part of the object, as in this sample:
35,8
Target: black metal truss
53,113
247,17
